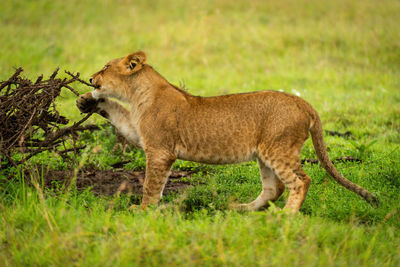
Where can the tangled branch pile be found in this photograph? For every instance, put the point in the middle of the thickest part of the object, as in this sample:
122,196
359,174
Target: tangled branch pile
29,120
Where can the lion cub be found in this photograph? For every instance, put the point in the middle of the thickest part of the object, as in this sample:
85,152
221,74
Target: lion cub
169,124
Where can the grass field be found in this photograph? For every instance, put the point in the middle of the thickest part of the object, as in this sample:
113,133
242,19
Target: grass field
342,56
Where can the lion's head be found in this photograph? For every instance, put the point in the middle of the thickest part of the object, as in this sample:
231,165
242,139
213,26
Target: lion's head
119,76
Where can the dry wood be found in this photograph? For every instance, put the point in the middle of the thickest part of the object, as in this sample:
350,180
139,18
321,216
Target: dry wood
29,120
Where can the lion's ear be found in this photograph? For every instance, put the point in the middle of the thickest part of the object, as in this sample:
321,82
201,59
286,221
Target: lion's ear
139,56
134,61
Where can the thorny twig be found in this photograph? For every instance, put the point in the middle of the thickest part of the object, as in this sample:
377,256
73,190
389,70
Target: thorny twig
29,120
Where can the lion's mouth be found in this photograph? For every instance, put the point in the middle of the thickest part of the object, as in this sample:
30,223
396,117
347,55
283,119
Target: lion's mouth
96,93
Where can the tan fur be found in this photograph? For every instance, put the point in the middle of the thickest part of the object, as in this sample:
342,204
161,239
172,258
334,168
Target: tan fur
168,123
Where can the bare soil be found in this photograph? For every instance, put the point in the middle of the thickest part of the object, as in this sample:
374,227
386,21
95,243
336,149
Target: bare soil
110,182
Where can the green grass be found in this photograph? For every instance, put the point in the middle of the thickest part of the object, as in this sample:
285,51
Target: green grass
341,56
82,230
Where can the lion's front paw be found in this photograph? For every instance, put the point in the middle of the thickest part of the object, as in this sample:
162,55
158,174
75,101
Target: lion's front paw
86,103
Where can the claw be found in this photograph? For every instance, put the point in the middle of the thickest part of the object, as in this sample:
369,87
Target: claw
86,103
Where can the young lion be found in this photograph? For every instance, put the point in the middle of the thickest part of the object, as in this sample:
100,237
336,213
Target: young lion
169,124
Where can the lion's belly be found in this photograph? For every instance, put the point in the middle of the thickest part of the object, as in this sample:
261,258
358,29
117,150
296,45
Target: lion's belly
203,153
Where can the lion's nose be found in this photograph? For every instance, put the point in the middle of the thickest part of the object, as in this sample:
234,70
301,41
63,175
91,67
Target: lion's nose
91,80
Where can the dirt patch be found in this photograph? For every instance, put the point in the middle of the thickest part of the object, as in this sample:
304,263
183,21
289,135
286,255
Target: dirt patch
111,182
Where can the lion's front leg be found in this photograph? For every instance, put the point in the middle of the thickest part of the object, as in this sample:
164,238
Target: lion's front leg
119,116
158,166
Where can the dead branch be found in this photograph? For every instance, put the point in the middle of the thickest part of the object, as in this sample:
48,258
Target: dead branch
29,120
339,159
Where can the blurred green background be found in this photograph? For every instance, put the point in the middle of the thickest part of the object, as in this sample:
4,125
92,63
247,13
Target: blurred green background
342,56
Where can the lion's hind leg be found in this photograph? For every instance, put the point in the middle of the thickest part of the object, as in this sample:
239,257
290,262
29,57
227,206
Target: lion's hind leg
272,189
286,165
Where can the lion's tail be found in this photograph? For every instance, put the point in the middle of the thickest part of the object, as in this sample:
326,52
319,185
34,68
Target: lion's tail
320,149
